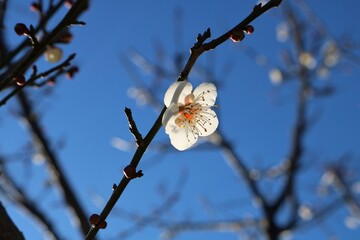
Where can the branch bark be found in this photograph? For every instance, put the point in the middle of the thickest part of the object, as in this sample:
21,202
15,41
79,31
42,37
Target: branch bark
53,163
8,229
199,48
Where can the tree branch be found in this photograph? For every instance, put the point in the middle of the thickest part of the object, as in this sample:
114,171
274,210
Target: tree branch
53,163
195,53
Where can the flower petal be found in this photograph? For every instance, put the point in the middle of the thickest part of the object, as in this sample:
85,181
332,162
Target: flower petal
212,124
181,139
169,117
177,92
208,93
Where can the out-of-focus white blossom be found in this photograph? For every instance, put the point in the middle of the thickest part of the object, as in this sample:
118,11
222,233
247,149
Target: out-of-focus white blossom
38,158
276,76
121,144
322,72
305,212
352,222
139,94
53,54
331,54
286,235
327,178
282,32
307,60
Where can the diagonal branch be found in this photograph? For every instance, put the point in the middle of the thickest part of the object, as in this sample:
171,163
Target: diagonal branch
234,225
21,66
238,165
35,77
53,163
8,229
17,196
195,53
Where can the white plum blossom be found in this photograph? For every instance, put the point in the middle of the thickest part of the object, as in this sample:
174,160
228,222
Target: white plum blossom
53,54
189,114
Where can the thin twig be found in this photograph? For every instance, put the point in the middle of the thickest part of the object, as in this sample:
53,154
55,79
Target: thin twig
35,77
8,229
16,195
132,127
27,61
53,163
195,53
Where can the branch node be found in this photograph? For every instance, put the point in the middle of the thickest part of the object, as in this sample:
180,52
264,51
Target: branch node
77,23
132,127
96,223
200,39
257,7
131,173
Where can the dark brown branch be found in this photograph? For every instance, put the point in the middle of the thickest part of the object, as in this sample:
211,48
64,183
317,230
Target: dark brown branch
235,225
35,76
8,229
299,130
195,53
30,58
348,197
198,49
3,45
44,20
132,127
16,195
238,165
53,163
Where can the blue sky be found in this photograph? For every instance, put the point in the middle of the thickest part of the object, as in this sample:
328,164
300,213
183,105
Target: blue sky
256,115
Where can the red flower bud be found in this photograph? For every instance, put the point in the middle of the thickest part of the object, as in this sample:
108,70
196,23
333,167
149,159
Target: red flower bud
130,171
66,38
51,81
35,7
94,219
237,36
71,72
21,29
102,224
249,29
20,80
68,3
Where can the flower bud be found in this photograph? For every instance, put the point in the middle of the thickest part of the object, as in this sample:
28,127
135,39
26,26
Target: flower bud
237,35
51,81
249,29
129,172
21,29
68,3
35,7
20,80
71,72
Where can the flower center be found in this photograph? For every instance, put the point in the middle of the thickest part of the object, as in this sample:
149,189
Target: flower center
194,117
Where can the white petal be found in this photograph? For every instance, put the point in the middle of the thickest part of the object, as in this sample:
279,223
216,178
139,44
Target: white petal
209,93
212,125
179,139
170,113
177,92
